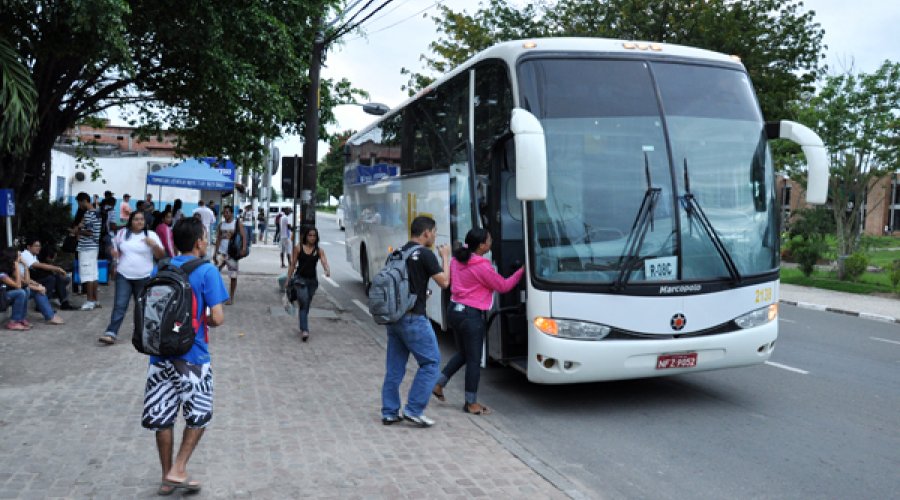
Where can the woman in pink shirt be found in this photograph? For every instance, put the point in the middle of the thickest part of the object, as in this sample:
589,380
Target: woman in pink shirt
473,282
164,231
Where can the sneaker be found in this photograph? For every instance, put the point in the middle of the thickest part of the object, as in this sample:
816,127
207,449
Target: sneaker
88,306
390,420
420,421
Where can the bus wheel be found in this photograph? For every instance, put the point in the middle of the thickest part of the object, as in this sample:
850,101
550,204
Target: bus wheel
364,270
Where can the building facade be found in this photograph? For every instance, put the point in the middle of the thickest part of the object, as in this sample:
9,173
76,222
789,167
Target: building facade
881,214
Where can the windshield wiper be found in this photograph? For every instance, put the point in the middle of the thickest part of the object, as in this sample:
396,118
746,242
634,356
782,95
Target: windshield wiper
692,208
643,221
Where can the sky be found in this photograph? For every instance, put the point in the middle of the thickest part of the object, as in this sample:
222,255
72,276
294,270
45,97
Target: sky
860,34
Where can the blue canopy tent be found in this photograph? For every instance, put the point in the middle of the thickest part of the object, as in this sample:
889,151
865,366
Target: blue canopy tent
191,174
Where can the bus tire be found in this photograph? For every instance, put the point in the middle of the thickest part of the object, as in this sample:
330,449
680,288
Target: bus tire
364,269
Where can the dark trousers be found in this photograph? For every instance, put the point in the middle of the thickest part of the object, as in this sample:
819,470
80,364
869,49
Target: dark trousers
469,327
57,286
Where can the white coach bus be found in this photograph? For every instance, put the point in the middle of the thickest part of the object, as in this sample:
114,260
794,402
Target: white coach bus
634,182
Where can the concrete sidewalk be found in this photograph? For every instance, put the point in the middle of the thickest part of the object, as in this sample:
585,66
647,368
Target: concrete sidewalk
292,419
864,306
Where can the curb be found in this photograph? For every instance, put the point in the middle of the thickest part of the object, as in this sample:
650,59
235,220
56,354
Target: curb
864,315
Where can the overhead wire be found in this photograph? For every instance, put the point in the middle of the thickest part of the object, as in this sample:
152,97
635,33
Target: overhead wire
348,21
338,33
379,30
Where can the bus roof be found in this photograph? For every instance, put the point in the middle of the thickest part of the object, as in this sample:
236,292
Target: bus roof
511,51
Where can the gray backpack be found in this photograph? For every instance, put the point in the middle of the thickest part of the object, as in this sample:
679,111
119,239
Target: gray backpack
389,295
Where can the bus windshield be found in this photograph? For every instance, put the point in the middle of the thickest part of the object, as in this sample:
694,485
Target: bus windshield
624,128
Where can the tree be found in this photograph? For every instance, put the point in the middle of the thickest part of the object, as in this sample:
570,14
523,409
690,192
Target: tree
221,74
858,118
331,167
17,103
779,43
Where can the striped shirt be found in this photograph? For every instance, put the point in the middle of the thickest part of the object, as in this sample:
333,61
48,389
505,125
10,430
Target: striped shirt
91,221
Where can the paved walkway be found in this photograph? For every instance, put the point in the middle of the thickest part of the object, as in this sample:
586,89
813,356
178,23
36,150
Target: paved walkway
292,420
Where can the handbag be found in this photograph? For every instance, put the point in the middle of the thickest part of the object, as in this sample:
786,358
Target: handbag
296,291
69,244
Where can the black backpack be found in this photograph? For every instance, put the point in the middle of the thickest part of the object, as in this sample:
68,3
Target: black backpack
235,245
165,316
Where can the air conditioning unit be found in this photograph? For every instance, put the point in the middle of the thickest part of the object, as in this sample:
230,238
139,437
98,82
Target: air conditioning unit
80,177
156,166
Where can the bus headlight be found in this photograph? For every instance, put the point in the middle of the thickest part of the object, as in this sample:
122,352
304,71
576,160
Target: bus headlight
758,317
570,329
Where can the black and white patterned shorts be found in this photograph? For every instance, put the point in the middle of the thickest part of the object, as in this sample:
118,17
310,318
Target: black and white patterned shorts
174,383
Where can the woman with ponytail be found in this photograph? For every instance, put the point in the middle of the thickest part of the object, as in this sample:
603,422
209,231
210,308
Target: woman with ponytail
472,292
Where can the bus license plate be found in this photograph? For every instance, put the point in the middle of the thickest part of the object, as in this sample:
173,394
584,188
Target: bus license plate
687,360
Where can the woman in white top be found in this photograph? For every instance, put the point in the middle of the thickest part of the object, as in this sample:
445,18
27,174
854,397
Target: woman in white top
226,231
134,247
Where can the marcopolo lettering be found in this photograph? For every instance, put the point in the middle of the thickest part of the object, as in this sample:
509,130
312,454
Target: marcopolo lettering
680,289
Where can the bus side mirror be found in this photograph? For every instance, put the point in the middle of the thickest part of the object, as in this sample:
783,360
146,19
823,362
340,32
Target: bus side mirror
813,149
531,156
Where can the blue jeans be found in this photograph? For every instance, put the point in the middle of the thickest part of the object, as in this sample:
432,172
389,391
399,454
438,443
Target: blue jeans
42,303
125,290
468,325
18,300
303,313
411,334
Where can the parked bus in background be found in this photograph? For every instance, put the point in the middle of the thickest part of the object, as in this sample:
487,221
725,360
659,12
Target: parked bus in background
632,179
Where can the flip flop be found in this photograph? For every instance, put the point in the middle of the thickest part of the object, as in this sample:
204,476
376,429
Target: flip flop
165,489
107,339
185,485
439,396
483,411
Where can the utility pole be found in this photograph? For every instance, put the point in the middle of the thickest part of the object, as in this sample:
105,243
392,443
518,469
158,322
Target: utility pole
311,135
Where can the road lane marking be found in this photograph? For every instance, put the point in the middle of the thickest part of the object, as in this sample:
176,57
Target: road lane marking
324,243
362,306
885,340
341,242
786,367
333,283
787,320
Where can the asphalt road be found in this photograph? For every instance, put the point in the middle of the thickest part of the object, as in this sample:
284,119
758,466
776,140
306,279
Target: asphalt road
821,420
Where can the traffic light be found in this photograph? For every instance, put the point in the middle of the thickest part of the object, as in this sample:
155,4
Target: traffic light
290,176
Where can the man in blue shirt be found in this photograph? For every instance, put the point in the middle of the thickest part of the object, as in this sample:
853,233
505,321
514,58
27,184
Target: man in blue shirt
185,380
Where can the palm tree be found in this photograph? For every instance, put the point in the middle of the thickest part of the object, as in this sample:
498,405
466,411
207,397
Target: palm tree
18,103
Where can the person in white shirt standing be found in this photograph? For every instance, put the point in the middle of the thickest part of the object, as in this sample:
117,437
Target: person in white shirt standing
135,248
207,217
284,234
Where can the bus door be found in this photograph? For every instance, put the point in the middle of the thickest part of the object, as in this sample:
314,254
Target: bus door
507,331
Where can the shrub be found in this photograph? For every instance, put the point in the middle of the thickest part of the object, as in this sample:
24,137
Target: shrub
895,274
855,265
45,220
806,251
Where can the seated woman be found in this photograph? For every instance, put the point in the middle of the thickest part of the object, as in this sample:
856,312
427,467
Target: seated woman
13,274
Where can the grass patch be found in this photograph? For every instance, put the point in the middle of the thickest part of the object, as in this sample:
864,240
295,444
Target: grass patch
868,283
329,210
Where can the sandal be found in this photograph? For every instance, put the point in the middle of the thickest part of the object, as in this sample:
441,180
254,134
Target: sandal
438,394
107,339
483,411
186,485
15,325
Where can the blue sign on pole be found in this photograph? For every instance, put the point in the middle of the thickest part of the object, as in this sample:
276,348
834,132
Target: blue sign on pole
7,203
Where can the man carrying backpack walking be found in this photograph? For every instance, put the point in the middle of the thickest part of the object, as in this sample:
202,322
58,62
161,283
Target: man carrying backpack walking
185,380
412,333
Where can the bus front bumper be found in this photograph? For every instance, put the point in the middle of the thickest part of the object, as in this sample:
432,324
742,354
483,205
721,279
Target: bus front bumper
554,360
